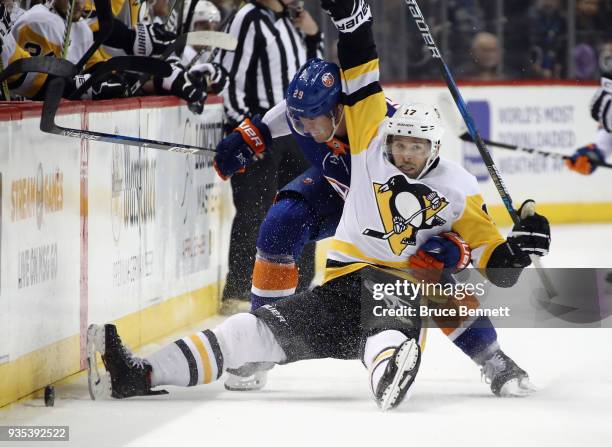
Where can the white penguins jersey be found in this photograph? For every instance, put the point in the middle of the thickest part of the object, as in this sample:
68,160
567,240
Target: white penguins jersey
387,215
40,32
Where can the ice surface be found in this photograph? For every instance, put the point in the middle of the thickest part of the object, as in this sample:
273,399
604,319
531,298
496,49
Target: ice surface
327,402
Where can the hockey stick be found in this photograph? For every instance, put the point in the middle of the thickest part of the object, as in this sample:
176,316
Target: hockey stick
66,41
417,15
457,126
5,89
554,155
51,104
203,38
141,64
187,23
40,64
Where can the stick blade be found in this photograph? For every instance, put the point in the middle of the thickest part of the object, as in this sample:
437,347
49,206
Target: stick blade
53,97
216,39
40,64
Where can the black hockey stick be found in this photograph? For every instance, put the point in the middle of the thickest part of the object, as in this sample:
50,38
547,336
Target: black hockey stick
105,28
466,137
187,23
51,104
457,126
141,64
40,64
430,43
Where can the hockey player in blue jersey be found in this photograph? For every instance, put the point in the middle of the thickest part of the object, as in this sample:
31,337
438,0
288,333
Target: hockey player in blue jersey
309,209
601,111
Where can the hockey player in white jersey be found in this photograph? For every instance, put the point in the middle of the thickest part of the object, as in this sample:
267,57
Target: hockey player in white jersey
200,60
206,17
601,111
40,31
402,195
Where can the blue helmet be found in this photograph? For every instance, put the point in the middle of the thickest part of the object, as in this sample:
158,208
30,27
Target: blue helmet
313,91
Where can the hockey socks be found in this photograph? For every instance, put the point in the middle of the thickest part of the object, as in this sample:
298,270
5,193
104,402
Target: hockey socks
202,357
272,280
192,360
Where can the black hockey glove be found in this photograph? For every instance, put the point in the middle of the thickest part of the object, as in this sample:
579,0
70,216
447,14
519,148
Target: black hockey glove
115,86
215,75
347,15
181,84
151,39
530,236
532,233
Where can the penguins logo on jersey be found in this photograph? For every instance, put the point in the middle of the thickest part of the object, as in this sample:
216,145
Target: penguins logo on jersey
405,208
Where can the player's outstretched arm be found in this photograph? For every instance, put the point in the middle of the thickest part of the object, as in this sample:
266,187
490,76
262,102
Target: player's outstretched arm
365,104
582,161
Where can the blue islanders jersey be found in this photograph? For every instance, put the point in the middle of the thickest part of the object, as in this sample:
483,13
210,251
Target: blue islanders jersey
331,160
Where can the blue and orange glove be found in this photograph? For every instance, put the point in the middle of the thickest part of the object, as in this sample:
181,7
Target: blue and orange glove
242,147
582,160
446,251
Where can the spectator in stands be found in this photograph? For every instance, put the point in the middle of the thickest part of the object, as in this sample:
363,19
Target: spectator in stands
486,56
466,19
585,62
516,45
591,22
548,33
605,55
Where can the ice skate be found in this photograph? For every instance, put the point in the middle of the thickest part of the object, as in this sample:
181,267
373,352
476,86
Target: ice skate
125,375
249,377
505,377
400,371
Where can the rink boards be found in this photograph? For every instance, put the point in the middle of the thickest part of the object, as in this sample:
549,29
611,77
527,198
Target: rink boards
93,232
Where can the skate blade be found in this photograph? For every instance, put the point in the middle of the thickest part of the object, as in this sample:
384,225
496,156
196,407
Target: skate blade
517,388
252,383
99,384
405,360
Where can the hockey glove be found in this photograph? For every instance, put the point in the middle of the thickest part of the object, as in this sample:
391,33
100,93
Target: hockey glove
181,84
446,251
532,233
242,147
216,76
151,39
115,86
347,15
583,158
